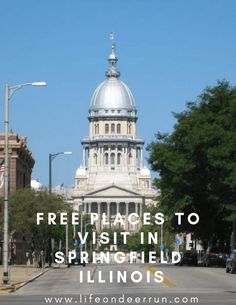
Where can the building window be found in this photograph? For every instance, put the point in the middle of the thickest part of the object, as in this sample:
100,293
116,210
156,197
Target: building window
106,159
96,128
112,159
118,159
129,128
118,128
106,128
112,128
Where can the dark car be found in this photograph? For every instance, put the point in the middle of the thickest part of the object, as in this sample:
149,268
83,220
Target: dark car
215,256
231,262
77,261
189,258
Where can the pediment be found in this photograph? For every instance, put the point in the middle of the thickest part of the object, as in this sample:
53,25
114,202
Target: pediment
113,191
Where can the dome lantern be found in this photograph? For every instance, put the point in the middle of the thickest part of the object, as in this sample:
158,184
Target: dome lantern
112,71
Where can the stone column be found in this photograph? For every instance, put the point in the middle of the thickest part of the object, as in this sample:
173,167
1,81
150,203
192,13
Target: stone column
89,207
141,214
98,156
126,216
108,214
141,157
88,154
109,155
83,156
116,150
117,207
134,157
136,212
102,155
118,211
126,156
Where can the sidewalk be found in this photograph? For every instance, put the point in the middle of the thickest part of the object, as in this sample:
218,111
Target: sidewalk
19,276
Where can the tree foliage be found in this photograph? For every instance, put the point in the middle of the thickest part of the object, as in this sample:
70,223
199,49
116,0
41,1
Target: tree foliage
197,163
24,204
134,244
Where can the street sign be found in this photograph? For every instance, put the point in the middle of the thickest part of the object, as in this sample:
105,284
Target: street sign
177,241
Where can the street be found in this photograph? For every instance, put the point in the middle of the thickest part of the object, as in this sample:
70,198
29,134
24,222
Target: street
209,285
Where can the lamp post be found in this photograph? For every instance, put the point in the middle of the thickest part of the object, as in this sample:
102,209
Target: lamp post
9,91
51,158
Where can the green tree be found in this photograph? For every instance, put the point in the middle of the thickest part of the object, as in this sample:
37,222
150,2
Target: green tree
134,244
197,164
24,204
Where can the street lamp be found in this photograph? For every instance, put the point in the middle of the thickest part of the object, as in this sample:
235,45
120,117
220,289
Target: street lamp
10,90
51,158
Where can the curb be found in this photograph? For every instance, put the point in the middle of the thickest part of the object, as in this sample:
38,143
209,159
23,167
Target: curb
20,284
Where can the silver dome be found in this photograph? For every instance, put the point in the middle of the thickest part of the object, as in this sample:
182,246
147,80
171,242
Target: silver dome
112,94
112,97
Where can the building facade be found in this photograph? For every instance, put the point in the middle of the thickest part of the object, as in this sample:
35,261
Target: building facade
21,161
112,178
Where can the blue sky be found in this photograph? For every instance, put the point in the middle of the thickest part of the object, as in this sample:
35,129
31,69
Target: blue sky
169,51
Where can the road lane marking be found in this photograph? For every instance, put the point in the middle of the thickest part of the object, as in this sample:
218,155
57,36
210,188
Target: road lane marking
6,291
166,281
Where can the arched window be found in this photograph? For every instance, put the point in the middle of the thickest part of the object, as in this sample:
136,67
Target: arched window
106,128
112,159
96,128
118,159
118,128
106,159
112,128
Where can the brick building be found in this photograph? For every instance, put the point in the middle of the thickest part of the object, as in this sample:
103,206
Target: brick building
21,161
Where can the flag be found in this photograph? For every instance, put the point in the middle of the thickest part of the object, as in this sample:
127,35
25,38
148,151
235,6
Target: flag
2,170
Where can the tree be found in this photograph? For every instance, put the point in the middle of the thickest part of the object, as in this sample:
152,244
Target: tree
24,204
197,164
134,244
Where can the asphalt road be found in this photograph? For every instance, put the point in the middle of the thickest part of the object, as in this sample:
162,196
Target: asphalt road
209,285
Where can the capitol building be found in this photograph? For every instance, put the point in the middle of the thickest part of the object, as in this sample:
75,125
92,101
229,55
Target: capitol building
112,177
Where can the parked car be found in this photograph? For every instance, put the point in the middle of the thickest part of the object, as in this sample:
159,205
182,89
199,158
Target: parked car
231,262
215,256
77,261
189,258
